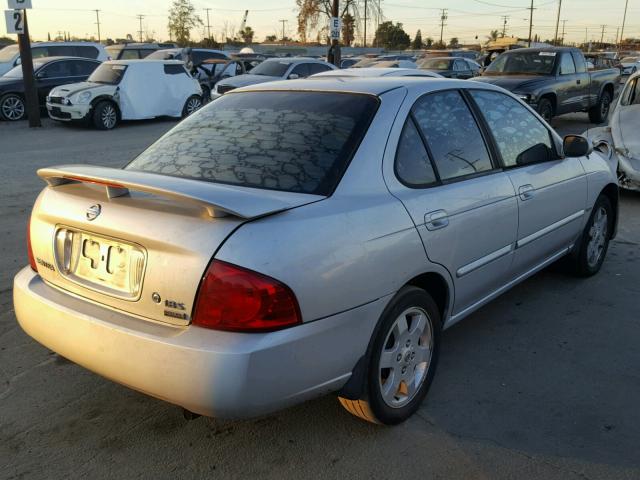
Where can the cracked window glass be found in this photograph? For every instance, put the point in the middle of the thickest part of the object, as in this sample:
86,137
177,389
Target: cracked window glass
289,141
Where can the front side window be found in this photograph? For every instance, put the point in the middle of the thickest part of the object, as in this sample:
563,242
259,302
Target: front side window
174,69
453,137
128,54
413,165
514,128
288,141
567,67
56,70
83,68
39,52
302,70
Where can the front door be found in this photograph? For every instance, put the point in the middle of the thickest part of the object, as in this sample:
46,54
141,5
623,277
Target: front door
462,205
551,192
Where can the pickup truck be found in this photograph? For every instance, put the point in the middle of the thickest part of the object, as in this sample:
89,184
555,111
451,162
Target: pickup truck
554,81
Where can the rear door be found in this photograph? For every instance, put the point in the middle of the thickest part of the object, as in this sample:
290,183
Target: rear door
551,191
462,205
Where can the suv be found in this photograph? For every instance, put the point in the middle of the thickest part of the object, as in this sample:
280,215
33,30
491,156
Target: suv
132,51
10,55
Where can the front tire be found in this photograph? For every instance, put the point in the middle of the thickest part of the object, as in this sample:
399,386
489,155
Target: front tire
600,111
402,360
593,244
105,116
545,109
12,107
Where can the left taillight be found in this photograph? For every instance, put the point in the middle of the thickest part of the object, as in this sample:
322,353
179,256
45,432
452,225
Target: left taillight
241,300
32,259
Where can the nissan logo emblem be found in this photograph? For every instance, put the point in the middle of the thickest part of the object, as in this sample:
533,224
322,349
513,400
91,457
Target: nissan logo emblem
93,211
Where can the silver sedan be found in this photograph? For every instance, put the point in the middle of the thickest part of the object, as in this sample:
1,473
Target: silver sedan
306,237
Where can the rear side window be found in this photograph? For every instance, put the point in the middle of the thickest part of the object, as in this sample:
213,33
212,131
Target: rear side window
289,141
578,60
514,128
144,52
174,69
452,135
83,69
39,52
567,66
413,166
61,50
86,51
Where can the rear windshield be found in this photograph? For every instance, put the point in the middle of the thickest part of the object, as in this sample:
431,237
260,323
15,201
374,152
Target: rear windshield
288,141
108,74
272,68
7,53
436,64
523,63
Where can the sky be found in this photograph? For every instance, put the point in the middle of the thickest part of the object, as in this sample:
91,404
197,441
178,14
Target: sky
466,18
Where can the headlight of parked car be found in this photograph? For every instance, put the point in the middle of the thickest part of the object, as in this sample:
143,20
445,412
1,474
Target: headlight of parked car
83,97
524,97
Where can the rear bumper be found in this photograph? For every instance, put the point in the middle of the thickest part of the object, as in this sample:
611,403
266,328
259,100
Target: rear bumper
214,373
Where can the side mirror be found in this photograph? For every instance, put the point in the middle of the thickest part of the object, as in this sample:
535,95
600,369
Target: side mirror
41,75
537,154
293,76
576,146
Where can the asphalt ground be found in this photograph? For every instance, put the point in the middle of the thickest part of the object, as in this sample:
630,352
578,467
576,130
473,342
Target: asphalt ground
543,383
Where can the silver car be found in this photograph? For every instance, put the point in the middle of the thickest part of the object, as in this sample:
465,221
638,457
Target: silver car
306,237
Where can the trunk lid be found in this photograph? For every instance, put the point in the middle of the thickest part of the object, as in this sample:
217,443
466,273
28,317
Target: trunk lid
139,242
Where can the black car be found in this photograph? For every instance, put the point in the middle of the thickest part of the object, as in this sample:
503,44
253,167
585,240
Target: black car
451,67
49,72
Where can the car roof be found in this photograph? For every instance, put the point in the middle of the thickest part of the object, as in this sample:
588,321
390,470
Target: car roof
368,72
63,57
70,44
544,49
365,85
144,61
295,60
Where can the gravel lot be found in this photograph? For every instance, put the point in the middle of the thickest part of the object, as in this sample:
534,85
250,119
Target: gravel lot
542,383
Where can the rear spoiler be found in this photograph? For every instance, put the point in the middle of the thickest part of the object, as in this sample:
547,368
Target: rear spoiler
218,199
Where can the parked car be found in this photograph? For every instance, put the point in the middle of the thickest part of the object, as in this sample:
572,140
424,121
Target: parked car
49,72
554,81
451,67
349,62
302,237
273,69
10,55
127,90
210,72
378,72
621,135
196,55
132,51
393,64
458,53
599,61
630,65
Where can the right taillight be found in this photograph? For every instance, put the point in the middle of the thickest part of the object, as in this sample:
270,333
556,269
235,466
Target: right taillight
32,260
237,299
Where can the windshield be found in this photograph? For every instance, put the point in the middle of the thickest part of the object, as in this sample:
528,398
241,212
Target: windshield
523,63
436,64
108,74
7,53
271,68
288,141
624,60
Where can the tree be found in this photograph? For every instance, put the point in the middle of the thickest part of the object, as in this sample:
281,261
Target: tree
6,41
428,42
493,35
247,34
270,38
417,41
454,43
348,29
311,12
391,36
182,19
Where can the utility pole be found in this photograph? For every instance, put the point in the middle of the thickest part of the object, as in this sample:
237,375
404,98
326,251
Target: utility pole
555,38
504,25
602,35
443,17
624,19
564,22
364,42
333,55
617,32
98,23
208,24
30,90
530,22
283,22
140,17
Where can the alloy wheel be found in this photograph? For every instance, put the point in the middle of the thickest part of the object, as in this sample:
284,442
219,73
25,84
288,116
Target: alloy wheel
13,108
597,237
193,104
109,116
405,357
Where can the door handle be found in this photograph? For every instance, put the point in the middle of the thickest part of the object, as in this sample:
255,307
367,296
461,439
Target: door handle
436,220
526,192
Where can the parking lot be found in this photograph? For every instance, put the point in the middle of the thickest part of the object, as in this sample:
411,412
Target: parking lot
542,382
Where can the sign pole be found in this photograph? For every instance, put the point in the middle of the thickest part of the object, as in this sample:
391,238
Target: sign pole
333,56
30,91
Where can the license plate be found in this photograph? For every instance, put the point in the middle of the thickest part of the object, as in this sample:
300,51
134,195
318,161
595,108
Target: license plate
102,263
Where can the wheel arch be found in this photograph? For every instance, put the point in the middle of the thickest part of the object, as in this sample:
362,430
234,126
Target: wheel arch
107,98
552,97
611,191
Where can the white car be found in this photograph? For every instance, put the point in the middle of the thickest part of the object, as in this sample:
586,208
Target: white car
630,65
127,90
621,135
10,55
378,72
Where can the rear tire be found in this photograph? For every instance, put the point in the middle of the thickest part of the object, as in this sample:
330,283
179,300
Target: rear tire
545,109
402,360
105,116
193,103
591,248
12,107
600,111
